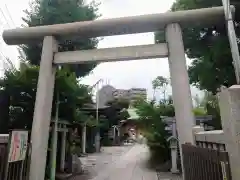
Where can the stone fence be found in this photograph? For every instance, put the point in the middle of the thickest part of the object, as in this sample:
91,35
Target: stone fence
211,139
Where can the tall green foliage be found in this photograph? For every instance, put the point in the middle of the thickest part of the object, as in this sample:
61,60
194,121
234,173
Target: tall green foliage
21,86
160,83
208,47
117,111
154,128
151,122
211,105
48,12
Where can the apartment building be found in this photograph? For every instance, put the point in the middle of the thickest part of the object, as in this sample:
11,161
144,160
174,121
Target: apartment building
131,94
136,93
108,93
121,93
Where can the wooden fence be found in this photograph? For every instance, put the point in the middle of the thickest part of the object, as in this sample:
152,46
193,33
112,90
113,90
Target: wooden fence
205,164
17,170
3,153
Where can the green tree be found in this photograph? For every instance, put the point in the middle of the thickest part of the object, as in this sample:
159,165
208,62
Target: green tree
154,128
117,111
160,83
48,12
120,103
211,105
21,86
208,47
199,111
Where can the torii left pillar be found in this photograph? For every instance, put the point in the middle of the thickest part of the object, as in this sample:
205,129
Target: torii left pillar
181,92
43,109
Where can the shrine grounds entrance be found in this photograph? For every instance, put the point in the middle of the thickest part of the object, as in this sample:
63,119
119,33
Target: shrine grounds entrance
173,48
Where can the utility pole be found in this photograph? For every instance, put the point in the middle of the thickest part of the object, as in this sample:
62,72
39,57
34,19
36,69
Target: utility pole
232,38
54,139
97,140
97,136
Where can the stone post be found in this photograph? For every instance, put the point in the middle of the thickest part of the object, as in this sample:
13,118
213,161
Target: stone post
174,152
63,147
114,135
174,168
182,98
84,129
229,101
42,111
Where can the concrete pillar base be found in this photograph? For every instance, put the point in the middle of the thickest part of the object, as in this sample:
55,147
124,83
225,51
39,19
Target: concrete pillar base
175,171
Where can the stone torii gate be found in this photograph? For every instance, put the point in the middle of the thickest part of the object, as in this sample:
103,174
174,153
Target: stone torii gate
173,49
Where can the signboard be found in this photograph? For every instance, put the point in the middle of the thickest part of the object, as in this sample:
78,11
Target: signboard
18,146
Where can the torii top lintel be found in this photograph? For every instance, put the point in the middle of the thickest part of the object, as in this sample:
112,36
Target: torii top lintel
116,26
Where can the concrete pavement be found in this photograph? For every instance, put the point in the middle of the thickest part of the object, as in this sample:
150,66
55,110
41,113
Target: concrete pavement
122,163
97,162
130,166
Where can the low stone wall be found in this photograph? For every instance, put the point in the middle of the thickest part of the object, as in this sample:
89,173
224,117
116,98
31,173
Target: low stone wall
211,139
216,136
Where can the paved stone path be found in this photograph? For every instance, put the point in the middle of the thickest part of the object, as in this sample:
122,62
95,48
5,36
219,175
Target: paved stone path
130,166
96,162
122,163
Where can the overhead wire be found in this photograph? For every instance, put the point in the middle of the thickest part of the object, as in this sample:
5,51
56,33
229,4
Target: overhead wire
7,63
10,16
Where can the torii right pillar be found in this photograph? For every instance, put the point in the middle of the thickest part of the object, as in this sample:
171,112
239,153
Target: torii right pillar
181,92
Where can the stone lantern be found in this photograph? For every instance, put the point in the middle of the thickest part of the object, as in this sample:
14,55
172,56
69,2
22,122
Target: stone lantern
174,147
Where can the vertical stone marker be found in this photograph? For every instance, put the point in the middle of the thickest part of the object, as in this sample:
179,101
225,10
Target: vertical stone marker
229,101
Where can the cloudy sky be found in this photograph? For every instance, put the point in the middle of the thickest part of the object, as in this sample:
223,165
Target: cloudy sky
119,74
